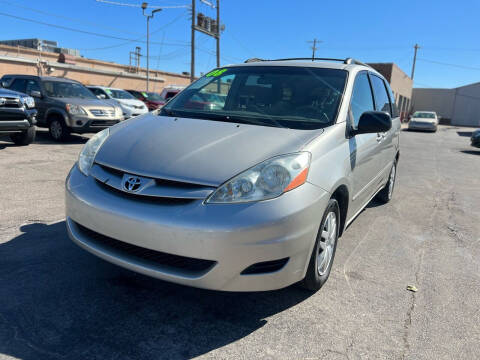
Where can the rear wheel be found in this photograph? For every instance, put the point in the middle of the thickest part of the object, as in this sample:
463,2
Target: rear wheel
324,250
58,130
25,137
385,195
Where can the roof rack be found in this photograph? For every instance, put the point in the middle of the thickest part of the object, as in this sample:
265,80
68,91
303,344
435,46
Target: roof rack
347,61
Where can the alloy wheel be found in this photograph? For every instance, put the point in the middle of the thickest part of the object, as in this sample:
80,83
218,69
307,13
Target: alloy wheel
328,237
56,129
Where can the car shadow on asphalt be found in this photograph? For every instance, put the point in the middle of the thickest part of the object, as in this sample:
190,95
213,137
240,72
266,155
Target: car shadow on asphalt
471,152
58,301
464,133
44,138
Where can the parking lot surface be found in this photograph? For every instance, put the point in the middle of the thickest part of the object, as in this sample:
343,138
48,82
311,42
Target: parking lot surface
59,302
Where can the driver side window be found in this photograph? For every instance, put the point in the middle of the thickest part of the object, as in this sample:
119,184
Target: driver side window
362,99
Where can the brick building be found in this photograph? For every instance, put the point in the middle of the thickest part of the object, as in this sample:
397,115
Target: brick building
21,60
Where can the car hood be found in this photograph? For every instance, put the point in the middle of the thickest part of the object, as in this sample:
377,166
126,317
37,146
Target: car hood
10,93
135,102
192,150
87,103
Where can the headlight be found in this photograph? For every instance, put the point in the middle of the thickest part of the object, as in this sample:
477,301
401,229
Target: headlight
87,155
118,111
29,102
266,180
75,109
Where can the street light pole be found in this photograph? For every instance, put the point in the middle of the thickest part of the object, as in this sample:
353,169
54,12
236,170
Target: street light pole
144,7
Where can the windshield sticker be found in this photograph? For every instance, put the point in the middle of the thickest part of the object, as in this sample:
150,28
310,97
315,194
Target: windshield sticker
144,94
217,72
108,91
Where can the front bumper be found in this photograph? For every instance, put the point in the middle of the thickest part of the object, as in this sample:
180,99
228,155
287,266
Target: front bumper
131,112
416,125
475,141
92,125
13,120
233,236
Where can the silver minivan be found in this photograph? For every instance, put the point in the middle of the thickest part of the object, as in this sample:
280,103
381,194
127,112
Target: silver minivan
242,182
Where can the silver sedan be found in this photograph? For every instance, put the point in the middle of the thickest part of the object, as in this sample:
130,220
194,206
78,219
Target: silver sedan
246,189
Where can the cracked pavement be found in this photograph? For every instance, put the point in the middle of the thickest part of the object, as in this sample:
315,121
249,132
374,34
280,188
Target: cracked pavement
59,302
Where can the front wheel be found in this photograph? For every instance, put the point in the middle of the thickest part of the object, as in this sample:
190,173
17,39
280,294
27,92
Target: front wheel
58,130
25,137
323,252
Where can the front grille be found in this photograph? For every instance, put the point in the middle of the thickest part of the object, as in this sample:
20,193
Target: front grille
102,112
145,198
10,102
163,191
265,267
156,258
103,123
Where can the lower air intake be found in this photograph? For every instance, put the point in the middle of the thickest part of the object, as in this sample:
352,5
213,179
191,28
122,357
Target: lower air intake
265,267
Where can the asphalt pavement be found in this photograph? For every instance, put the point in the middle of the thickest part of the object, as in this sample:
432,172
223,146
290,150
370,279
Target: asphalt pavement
60,302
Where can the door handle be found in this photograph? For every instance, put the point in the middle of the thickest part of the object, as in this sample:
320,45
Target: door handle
379,137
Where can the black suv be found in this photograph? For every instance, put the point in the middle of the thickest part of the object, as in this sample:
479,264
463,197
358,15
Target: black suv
17,116
64,105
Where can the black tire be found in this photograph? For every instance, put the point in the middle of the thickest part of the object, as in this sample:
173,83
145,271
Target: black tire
58,129
385,195
25,137
314,280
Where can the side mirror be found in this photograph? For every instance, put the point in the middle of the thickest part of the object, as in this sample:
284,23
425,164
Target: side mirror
36,93
101,96
373,122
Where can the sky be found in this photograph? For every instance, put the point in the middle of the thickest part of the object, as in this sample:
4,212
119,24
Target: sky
371,31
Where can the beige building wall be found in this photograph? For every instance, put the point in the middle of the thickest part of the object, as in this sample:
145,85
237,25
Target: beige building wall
18,60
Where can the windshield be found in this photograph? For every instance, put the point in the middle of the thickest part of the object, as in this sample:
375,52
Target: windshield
61,89
153,96
423,115
119,94
279,96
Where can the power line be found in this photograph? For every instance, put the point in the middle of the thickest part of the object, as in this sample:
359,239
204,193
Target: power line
138,39
448,64
82,31
139,5
66,17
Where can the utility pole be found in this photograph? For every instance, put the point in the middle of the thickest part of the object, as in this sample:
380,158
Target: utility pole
208,26
314,47
144,7
416,47
218,33
192,43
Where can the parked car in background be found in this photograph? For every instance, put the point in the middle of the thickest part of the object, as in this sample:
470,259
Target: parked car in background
65,105
423,120
475,139
130,105
17,116
249,195
153,100
170,91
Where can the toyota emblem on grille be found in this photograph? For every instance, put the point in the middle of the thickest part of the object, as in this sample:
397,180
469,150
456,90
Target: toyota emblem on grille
132,183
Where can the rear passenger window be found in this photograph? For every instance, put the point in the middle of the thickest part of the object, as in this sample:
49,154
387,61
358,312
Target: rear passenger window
362,99
395,112
382,101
